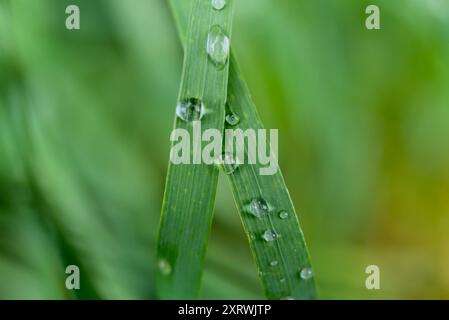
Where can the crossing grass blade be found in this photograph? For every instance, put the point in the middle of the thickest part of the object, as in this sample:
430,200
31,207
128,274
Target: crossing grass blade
280,262
190,189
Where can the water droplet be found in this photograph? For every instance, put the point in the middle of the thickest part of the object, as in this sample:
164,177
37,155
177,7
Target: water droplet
283,215
287,298
258,207
261,274
252,236
282,280
306,273
274,263
269,235
227,163
218,46
189,110
232,119
218,4
164,267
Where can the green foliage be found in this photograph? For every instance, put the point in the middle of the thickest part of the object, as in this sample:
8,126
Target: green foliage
85,119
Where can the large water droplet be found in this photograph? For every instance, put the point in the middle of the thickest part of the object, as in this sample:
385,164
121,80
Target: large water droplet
164,267
227,163
258,207
218,4
232,119
274,263
306,273
269,235
283,215
218,45
189,110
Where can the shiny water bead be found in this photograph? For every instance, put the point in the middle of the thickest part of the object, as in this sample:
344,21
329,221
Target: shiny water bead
227,163
283,215
258,207
218,46
269,235
306,273
164,267
218,4
190,109
232,119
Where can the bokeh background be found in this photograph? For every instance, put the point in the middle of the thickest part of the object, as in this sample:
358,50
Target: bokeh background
363,117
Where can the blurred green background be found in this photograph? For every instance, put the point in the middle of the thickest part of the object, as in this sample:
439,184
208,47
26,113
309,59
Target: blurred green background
363,118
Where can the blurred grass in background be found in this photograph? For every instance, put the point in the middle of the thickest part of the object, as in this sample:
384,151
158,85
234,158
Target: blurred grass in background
85,118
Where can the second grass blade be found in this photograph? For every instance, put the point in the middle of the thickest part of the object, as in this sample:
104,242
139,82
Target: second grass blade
267,212
190,188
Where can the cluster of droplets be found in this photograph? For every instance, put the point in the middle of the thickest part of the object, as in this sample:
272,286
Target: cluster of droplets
260,208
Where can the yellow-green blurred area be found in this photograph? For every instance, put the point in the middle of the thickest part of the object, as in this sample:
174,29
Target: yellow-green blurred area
363,119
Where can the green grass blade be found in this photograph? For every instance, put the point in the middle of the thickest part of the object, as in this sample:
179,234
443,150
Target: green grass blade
281,261
289,251
190,189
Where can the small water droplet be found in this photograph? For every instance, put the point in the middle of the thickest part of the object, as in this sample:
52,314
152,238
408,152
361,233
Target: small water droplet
232,119
261,274
306,273
287,298
218,45
252,236
274,263
258,207
218,4
190,109
282,280
283,215
269,235
227,163
164,267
